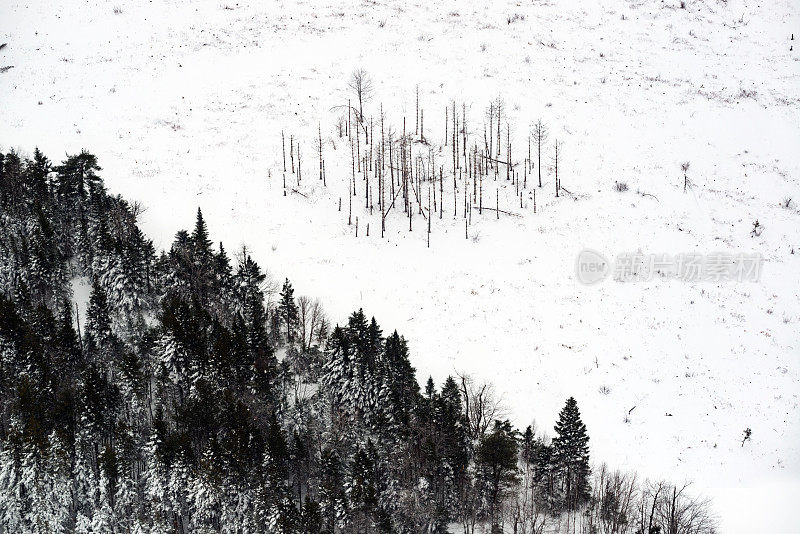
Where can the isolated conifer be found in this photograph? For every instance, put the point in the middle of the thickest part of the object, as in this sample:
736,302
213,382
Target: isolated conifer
571,455
200,240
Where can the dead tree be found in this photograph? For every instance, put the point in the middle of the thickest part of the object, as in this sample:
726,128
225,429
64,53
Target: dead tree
557,147
499,107
291,150
540,138
429,215
299,172
482,405
441,192
319,126
361,85
508,151
446,119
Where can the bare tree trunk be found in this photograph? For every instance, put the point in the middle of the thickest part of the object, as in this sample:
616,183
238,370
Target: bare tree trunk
291,151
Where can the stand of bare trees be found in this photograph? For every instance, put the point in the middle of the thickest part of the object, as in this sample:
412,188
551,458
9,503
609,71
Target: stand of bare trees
395,167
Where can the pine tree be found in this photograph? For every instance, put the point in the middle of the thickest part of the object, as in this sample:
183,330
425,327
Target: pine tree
98,320
200,240
85,484
337,370
404,388
496,456
363,487
249,279
310,517
11,490
11,182
452,425
67,341
78,174
202,260
287,309
333,501
39,170
571,455
223,282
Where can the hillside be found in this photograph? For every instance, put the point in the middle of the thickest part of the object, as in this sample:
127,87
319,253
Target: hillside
184,105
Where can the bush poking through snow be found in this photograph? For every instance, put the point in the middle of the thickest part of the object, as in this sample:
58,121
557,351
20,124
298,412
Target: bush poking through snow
744,93
687,183
620,187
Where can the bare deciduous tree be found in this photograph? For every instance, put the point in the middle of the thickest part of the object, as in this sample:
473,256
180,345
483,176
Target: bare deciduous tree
311,317
527,514
361,84
678,512
613,507
540,138
482,405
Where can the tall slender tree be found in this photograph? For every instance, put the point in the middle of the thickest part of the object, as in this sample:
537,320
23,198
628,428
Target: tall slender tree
571,455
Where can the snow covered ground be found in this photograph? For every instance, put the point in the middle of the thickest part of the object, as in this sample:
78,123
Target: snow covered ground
183,103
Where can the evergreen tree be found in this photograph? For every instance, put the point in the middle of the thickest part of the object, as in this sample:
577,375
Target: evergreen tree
200,240
39,171
334,506
571,456
98,320
453,426
249,279
404,388
201,263
287,309
496,456
11,182
67,341
77,175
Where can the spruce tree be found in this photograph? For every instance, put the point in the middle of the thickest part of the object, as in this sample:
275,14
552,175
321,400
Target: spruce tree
67,340
200,240
288,311
496,457
39,171
452,421
202,257
404,388
78,175
571,456
98,319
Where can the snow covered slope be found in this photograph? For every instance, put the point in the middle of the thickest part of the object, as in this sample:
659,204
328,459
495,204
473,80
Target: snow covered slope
183,103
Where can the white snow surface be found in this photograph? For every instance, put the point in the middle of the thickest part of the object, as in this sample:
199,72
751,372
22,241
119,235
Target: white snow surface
184,102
